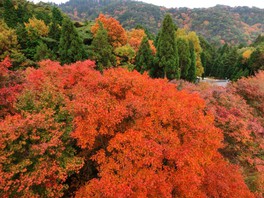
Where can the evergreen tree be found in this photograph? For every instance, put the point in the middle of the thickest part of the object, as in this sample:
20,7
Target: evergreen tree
43,52
207,56
259,40
218,69
144,56
56,22
43,16
55,29
157,39
28,43
184,56
191,77
23,14
71,48
231,63
54,34
256,60
10,15
204,63
226,63
102,49
56,16
167,62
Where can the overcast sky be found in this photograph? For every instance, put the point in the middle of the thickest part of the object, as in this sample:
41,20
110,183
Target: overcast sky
193,3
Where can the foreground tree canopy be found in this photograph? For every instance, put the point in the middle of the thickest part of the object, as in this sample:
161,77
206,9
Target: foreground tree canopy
122,133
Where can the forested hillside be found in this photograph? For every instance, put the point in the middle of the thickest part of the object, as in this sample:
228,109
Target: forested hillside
30,33
219,24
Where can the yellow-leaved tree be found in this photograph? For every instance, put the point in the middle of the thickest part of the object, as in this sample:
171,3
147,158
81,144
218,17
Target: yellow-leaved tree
9,44
36,26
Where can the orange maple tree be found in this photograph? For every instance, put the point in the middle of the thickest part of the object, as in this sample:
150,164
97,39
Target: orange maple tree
135,37
149,139
116,33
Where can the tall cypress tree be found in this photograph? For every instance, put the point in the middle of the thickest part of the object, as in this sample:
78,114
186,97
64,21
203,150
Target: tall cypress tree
23,14
56,21
184,56
71,47
191,77
10,15
54,29
102,51
144,57
231,63
208,56
167,62
56,16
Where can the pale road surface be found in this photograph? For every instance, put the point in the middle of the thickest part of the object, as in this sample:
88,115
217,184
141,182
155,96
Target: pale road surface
218,82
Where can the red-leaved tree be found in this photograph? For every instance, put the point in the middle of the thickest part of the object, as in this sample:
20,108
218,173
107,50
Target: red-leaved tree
10,86
149,140
243,130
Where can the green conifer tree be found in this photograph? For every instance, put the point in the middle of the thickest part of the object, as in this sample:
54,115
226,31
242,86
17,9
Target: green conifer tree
231,63
167,62
55,34
144,57
184,56
102,51
56,16
208,56
23,14
191,77
71,47
10,15
28,43
256,60
43,52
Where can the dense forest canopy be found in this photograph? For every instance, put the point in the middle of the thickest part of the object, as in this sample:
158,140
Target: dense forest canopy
32,32
102,109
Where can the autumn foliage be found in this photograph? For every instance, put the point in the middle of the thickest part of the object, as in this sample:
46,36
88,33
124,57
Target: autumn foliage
252,90
157,142
135,38
37,26
142,137
242,127
116,33
10,86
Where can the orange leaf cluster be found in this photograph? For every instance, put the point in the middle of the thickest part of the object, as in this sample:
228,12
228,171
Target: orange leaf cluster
116,33
135,37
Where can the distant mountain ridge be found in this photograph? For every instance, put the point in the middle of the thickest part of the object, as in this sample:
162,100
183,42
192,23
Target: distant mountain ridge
219,24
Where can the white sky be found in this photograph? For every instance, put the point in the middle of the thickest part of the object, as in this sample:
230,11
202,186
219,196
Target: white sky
192,3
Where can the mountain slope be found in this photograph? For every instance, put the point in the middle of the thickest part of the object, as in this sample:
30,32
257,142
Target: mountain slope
218,24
